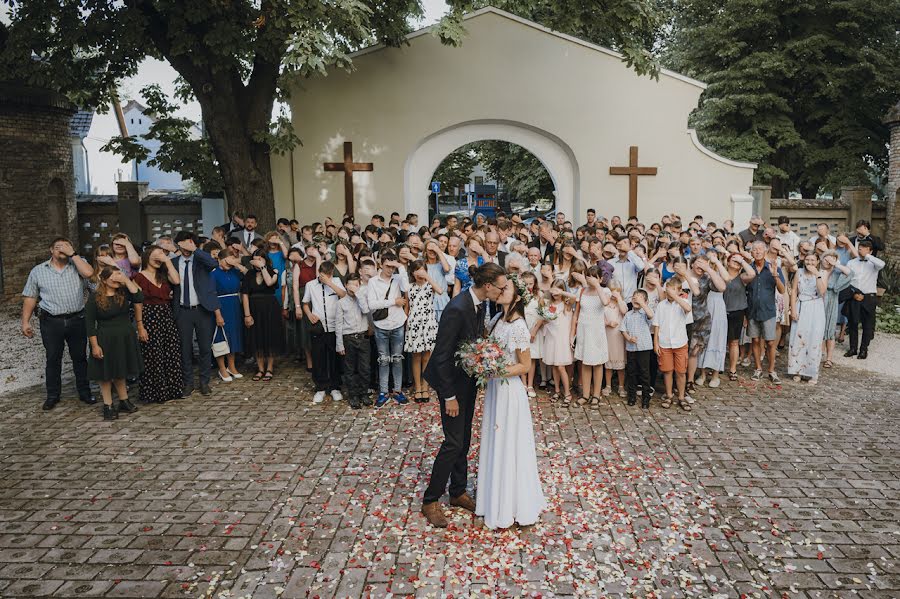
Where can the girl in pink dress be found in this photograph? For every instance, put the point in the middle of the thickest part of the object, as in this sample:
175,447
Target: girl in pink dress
615,342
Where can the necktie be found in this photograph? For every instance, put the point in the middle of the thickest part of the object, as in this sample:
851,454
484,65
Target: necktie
186,285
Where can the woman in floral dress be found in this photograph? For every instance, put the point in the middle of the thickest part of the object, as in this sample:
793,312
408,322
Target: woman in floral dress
422,325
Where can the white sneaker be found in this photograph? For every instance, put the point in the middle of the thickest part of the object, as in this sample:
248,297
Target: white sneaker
701,380
336,396
319,397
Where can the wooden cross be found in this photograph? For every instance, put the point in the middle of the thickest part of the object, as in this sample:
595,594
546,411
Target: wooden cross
633,171
348,167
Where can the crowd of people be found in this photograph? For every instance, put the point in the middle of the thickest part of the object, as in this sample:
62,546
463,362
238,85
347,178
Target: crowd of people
612,305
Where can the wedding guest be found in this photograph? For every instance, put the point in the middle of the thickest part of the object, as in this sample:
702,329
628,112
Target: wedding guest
194,303
344,262
56,287
670,341
290,304
386,292
740,274
635,328
761,312
708,280
626,267
535,324
808,314
353,344
264,335
162,379
861,309
115,351
590,348
277,250
229,317
839,279
320,304
440,269
422,325
615,343
557,340
789,239
305,272
125,256
864,232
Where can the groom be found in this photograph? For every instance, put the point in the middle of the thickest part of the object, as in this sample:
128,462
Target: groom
461,321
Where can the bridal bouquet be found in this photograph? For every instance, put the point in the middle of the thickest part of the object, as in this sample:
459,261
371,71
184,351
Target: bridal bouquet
482,359
548,313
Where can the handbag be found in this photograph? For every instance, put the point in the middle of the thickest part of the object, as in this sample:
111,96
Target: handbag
220,348
382,313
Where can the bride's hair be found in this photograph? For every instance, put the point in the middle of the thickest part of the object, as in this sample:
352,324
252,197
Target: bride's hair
517,307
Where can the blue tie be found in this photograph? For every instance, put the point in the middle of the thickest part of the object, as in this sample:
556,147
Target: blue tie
186,285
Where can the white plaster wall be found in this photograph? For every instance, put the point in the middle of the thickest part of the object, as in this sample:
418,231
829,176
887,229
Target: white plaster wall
506,71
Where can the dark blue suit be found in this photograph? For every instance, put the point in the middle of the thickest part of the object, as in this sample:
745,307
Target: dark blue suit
199,319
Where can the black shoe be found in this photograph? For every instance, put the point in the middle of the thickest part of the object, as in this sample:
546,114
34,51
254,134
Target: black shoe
645,404
367,401
50,404
863,354
188,391
126,406
632,401
89,400
849,353
109,412
205,390
355,405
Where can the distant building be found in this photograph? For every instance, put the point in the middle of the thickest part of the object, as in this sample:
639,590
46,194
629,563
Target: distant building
139,120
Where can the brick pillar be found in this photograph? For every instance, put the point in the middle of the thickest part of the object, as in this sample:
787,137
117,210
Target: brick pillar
859,206
893,187
131,221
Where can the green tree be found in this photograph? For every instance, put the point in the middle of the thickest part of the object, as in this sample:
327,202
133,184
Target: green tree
456,169
799,87
236,58
517,171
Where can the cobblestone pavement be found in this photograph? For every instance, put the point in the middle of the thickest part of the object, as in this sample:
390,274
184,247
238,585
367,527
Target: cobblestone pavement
256,492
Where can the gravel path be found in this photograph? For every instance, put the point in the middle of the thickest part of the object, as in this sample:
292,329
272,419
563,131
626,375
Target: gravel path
882,359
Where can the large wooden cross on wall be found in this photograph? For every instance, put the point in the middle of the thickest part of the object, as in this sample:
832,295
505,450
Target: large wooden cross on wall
348,167
633,171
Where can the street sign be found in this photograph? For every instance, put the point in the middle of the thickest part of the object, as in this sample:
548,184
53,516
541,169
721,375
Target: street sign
435,187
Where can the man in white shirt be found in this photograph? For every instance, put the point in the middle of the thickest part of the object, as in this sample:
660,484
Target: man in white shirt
861,308
626,269
789,239
823,232
386,292
320,304
670,339
354,344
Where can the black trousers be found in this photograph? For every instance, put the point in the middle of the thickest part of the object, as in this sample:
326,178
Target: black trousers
637,372
862,313
325,372
201,322
56,334
451,462
357,366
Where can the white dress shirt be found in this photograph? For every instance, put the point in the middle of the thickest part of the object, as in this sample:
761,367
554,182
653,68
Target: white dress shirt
323,302
378,288
671,321
626,272
186,263
865,273
791,240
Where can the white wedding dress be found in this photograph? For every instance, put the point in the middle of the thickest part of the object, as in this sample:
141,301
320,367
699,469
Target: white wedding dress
509,488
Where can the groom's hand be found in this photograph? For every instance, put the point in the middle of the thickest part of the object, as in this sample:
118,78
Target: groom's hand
451,406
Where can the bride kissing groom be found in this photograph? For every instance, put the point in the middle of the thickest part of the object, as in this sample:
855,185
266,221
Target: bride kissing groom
509,489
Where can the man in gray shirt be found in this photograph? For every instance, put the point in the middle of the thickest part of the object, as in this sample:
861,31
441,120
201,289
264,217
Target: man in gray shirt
57,288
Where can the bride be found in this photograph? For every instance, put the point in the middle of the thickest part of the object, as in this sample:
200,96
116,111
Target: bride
509,489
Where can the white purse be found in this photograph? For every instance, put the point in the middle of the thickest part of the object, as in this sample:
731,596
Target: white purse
220,348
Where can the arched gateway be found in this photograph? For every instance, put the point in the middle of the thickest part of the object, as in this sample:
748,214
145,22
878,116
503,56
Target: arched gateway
576,106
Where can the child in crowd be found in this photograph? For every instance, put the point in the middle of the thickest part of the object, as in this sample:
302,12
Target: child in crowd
422,324
614,310
635,329
535,323
353,344
591,348
557,340
320,304
670,342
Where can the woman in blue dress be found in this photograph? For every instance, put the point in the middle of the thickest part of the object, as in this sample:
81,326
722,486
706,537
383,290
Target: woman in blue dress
474,251
277,251
438,268
229,316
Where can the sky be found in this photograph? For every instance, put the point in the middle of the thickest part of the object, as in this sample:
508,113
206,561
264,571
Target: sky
156,71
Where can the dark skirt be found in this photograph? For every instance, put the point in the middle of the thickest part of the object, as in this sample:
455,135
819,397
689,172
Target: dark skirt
117,338
266,336
162,379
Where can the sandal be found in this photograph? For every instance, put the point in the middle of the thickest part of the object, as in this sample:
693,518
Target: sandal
732,376
531,393
567,400
554,396
268,376
595,402
582,401
828,364
258,376
685,406
666,402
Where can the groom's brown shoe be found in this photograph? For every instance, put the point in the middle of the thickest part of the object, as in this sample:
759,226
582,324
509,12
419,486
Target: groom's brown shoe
434,514
463,501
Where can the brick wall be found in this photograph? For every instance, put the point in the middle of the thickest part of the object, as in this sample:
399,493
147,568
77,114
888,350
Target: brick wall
893,188
37,185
